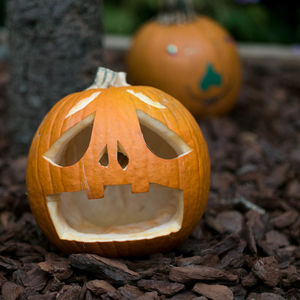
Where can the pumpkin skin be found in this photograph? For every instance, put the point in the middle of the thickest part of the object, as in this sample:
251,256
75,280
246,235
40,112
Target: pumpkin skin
115,113
196,62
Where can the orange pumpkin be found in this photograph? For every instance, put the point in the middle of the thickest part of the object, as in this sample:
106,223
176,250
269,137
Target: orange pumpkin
192,58
118,170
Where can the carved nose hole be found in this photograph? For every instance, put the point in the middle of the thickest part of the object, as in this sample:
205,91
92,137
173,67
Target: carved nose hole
103,160
122,156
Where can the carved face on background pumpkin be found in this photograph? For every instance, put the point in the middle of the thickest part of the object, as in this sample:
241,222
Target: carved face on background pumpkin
197,62
118,171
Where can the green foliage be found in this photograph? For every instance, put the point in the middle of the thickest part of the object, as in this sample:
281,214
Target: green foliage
124,17
266,21
2,12
247,23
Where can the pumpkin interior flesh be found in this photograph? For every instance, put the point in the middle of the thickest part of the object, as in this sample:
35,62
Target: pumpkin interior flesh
119,216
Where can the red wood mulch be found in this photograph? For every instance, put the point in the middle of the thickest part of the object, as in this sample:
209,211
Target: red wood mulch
245,247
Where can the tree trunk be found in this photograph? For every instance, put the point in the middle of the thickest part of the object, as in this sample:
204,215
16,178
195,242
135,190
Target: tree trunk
55,49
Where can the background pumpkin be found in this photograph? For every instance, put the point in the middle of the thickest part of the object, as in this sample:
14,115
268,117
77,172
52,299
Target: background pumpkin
118,170
192,58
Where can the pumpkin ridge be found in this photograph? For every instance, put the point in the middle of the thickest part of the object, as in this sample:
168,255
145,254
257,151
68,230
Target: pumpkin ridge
37,189
63,128
198,155
180,179
39,170
50,141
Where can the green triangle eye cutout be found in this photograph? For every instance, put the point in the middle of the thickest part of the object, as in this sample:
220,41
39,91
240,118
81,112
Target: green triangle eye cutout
211,78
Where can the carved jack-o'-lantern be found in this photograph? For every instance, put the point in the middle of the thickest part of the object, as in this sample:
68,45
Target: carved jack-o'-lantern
192,58
118,170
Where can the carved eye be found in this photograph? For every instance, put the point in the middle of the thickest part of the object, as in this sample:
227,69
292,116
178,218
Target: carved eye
72,145
161,140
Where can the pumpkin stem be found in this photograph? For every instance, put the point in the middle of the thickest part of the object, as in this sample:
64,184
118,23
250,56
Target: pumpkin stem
176,12
106,78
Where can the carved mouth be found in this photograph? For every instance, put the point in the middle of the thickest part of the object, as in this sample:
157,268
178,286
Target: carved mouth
210,100
119,216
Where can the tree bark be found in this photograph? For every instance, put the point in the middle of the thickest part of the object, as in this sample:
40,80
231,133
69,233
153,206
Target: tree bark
55,49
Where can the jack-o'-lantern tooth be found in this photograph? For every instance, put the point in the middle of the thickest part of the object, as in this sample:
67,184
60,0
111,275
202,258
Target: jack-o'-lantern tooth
72,145
141,186
122,156
104,159
97,193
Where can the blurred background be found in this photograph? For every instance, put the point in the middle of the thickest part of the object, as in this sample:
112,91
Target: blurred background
267,21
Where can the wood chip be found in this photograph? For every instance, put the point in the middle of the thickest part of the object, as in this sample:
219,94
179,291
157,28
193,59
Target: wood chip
213,224
49,296
149,296
2,280
53,285
250,238
107,268
285,219
276,239
35,279
232,221
267,270
8,263
223,246
255,229
256,222
187,261
279,175
163,287
99,287
249,280
130,292
290,275
11,291
214,292
57,266
187,295
234,258
264,296
185,274
293,189
69,292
